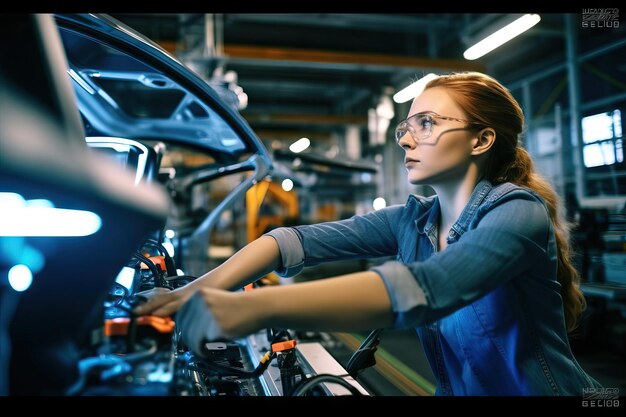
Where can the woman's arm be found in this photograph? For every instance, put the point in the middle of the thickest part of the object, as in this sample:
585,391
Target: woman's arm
289,249
251,262
352,302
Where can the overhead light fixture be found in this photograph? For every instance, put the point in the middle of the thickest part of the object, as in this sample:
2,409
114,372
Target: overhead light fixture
287,184
413,90
379,203
502,36
300,145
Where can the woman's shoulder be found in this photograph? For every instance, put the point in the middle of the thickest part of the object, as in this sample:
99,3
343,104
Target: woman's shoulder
509,191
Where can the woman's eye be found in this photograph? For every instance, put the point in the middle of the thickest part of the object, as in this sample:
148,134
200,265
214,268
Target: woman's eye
425,122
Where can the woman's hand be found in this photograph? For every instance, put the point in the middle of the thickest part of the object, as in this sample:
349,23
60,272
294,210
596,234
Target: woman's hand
236,314
163,302
212,314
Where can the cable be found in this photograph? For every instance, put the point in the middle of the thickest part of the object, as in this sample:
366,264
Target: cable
108,362
242,373
158,280
170,265
119,300
306,385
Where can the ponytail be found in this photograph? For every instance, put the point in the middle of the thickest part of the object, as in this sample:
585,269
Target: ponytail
521,172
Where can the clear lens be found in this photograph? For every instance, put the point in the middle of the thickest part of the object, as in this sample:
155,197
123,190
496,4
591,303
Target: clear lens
420,127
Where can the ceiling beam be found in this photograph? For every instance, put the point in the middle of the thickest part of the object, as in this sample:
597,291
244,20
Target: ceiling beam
345,58
379,22
321,119
292,135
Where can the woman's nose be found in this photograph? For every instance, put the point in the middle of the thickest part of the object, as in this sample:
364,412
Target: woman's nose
406,141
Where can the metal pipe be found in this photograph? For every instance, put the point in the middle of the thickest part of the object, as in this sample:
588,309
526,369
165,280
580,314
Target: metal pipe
573,74
558,67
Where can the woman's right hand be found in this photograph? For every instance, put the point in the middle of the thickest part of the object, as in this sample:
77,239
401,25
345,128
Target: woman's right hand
163,302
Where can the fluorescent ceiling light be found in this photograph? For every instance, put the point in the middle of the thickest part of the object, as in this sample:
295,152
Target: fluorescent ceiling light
300,145
413,90
502,36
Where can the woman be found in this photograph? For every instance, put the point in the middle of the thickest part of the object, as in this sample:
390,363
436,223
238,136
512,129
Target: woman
483,269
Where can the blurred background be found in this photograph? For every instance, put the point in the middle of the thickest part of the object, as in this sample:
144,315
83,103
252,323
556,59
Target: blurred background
331,78
196,133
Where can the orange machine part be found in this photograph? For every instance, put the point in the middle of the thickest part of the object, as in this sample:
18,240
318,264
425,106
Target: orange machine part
119,326
280,346
159,261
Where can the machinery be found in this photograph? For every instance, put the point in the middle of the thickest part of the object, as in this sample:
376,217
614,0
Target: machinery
100,123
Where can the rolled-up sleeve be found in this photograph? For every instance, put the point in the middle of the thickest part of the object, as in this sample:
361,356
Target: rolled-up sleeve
511,239
291,252
405,294
371,235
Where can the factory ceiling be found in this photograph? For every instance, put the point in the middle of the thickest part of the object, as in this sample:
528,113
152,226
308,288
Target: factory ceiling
311,73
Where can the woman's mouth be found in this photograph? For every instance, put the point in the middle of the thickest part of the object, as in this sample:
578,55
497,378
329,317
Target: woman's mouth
410,161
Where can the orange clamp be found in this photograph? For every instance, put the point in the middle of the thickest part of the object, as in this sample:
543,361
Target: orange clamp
159,261
119,326
280,346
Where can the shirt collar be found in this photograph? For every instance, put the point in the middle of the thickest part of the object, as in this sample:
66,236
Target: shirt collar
429,217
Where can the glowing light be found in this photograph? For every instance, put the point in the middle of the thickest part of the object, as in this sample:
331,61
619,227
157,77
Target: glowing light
385,108
19,218
126,277
379,203
300,145
413,90
502,36
287,184
169,247
169,233
20,277
180,272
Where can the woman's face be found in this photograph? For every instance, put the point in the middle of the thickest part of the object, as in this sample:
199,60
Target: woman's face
445,154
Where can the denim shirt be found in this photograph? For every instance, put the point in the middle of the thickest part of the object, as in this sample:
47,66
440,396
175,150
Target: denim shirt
487,309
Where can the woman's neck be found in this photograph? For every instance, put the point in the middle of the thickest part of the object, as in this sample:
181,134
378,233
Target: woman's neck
453,197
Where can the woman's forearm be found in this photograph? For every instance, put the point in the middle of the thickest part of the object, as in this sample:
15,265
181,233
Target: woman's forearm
351,302
250,263
247,265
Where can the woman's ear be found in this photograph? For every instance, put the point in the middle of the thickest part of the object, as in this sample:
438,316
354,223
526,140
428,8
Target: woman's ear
485,139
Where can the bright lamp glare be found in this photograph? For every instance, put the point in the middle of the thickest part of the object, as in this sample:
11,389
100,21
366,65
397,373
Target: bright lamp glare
413,90
300,145
169,248
502,36
379,203
20,277
287,185
19,218
126,277
169,233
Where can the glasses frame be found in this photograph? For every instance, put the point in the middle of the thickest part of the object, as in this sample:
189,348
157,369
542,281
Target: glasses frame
434,116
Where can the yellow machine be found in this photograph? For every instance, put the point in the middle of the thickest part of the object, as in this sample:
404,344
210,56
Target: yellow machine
281,206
